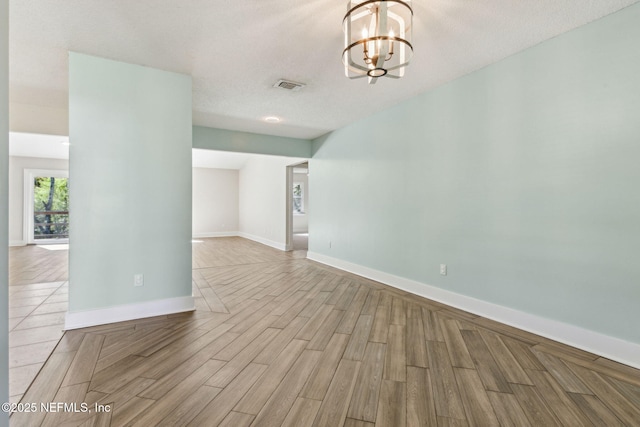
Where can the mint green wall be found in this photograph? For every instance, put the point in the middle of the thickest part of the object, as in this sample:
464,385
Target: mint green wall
130,172
4,209
522,177
245,142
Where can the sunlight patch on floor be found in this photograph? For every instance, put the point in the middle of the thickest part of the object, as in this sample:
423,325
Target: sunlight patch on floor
60,247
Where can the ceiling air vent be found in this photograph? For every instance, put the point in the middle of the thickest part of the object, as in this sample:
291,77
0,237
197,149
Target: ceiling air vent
289,85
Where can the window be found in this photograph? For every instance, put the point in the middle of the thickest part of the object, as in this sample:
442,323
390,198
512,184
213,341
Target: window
298,198
46,206
50,208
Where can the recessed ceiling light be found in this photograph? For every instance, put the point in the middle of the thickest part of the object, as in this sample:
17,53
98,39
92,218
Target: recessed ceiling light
272,119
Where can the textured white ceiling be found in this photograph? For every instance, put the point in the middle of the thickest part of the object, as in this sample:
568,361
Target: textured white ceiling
34,145
219,159
236,50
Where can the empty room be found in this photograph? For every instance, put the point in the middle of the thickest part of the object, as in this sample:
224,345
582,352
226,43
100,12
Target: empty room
348,213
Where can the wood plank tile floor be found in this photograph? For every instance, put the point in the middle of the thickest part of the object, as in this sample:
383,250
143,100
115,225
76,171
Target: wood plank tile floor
38,295
281,340
33,264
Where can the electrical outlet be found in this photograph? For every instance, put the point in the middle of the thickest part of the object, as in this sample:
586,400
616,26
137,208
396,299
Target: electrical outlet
443,269
138,280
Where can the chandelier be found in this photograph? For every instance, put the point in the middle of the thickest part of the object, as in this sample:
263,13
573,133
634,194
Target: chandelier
377,38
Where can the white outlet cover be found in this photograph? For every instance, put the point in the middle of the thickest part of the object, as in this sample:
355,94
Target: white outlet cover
138,280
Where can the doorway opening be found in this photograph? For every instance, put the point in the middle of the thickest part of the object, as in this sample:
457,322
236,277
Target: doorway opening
46,207
298,207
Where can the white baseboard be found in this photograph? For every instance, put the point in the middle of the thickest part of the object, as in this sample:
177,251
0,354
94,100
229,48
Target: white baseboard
215,234
612,348
17,243
277,245
121,313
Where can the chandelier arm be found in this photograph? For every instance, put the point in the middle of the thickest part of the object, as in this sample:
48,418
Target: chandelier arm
355,67
397,67
381,22
370,39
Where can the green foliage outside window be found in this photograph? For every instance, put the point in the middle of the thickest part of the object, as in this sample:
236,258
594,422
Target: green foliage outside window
298,205
51,207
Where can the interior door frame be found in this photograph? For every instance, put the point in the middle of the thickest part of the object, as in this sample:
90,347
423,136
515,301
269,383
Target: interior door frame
27,221
289,208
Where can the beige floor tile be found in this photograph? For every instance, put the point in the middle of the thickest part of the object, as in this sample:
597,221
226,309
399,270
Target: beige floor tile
16,398
21,311
30,293
36,321
30,354
34,335
63,290
49,285
56,307
56,297
21,377
15,321
27,301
